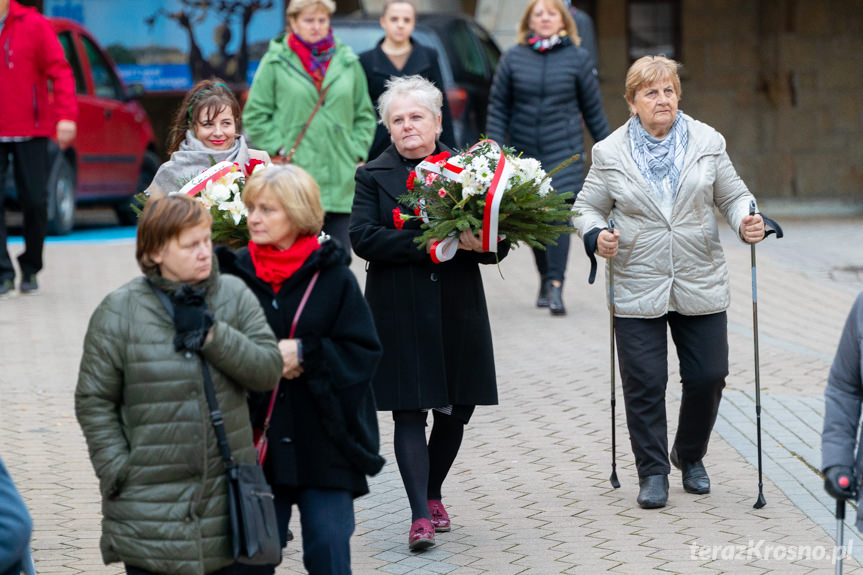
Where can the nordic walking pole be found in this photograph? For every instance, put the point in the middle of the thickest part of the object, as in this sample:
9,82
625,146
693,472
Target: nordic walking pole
760,502
840,532
844,482
614,482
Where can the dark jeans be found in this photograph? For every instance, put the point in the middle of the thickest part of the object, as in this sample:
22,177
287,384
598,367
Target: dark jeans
30,167
702,351
229,570
327,520
336,225
551,262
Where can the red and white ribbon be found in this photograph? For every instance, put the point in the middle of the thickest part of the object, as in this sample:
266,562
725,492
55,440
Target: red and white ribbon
445,249
199,182
491,218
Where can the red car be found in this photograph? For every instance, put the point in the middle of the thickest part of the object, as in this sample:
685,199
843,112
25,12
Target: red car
114,155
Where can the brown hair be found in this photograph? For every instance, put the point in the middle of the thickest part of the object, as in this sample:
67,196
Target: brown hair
389,3
211,95
163,219
295,190
523,30
649,69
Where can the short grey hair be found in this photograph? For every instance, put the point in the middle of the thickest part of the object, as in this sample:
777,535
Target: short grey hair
420,90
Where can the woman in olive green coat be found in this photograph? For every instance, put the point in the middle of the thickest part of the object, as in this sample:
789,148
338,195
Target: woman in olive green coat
290,78
141,404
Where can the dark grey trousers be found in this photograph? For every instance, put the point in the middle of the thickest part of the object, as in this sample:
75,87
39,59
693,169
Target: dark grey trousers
702,352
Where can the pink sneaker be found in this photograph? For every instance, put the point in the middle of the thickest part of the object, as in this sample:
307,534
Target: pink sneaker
421,535
439,516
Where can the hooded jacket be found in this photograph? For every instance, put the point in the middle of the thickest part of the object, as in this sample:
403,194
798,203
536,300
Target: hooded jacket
665,264
144,414
30,56
280,102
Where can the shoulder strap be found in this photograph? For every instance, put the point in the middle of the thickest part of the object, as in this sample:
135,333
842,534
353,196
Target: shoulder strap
296,320
209,391
321,96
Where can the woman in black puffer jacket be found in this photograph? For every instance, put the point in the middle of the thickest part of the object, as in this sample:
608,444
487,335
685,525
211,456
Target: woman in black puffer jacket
543,88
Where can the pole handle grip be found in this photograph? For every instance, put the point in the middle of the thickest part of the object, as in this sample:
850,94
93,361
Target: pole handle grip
751,207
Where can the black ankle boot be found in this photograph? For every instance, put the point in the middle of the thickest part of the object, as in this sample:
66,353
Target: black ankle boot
544,297
556,300
652,491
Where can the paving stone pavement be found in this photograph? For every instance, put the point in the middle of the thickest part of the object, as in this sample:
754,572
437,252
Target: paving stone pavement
530,491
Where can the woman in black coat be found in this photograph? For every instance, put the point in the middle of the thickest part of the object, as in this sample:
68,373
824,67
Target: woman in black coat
323,437
397,54
543,87
432,318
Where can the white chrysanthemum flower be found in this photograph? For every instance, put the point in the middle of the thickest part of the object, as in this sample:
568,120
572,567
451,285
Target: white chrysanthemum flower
469,184
545,187
482,171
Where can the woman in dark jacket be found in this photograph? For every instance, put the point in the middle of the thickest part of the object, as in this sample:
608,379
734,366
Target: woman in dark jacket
543,88
141,398
432,318
323,437
397,54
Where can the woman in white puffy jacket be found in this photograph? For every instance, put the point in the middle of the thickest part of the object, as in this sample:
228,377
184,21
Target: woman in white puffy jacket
659,177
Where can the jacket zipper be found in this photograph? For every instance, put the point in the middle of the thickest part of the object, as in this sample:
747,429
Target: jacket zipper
8,52
541,98
35,107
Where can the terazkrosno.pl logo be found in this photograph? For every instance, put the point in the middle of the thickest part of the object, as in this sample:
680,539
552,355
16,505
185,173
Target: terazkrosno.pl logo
760,549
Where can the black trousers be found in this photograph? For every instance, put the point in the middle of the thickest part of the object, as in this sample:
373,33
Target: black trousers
551,262
702,352
336,226
229,570
30,166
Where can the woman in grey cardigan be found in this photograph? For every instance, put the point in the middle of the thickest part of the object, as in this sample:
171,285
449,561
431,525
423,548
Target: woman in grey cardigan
543,88
660,176
843,398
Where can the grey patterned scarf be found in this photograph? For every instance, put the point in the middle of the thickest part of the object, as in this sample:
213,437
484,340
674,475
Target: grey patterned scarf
191,159
660,161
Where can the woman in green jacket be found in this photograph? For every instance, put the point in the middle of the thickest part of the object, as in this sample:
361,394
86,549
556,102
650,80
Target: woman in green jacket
141,404
302,69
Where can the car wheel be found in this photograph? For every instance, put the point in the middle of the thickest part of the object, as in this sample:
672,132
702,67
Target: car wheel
125,211
61,197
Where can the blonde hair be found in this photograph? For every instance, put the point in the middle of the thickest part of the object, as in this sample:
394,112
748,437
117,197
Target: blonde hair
297,6
523,30
649,69
295,190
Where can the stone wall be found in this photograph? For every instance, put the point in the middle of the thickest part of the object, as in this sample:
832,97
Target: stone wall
781,79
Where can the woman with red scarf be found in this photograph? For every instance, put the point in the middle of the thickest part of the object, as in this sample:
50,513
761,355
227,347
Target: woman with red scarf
323,433
309,105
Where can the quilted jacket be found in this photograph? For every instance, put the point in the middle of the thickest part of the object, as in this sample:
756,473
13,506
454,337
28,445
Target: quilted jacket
665,264
144,414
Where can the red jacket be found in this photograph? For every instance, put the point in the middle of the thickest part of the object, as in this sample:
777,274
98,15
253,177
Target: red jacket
30,55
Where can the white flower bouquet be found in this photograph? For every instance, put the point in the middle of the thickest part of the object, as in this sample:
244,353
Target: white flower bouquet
488,189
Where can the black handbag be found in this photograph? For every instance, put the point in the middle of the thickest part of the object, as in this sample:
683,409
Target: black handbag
254,527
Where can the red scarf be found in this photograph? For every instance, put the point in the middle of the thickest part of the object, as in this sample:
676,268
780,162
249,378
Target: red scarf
275,266
315,57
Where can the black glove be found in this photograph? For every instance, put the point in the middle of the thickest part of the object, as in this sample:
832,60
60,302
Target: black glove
192,319
840,482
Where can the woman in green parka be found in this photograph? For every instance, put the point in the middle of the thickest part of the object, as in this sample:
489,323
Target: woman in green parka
292,75
141,404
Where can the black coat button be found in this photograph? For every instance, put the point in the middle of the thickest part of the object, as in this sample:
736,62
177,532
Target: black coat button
433,277
287,440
